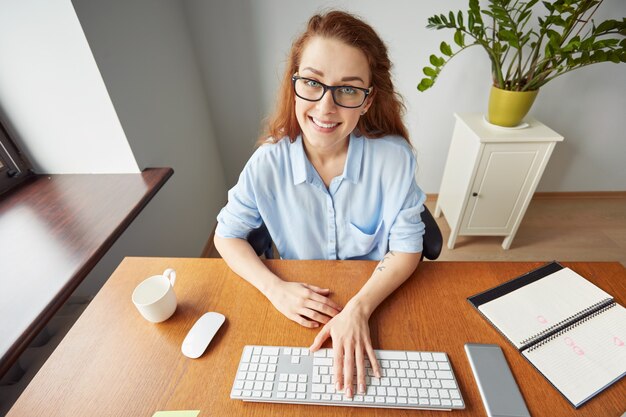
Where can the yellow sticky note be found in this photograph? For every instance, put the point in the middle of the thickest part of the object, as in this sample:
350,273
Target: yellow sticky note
178,413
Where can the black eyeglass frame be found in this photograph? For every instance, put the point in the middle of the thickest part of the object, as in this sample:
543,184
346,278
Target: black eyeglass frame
332,89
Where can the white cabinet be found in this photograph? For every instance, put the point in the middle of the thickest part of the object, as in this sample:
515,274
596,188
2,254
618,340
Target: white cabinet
490,176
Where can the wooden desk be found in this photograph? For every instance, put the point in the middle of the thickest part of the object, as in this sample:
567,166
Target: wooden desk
54,229
114,363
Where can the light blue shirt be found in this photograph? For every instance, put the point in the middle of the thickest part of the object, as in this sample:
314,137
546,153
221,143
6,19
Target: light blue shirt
373,207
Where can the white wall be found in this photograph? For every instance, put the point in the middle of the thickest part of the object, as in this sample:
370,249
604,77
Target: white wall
52,96
586,106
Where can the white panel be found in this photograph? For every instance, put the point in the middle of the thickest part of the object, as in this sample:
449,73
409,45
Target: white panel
52,94
499,184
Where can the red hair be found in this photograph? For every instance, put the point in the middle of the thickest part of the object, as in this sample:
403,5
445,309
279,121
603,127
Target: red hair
384,116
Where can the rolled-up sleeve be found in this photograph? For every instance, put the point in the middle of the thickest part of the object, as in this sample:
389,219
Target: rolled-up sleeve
407,231
241,213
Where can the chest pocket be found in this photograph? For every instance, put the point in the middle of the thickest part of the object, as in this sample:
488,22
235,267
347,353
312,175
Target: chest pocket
361,243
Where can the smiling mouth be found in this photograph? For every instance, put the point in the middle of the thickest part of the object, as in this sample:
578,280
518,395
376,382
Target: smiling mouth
322,124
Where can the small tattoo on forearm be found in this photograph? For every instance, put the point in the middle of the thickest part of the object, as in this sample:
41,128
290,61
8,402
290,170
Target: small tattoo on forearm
380,268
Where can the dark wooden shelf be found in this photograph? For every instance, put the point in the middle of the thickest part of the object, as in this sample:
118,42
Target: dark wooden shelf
53,231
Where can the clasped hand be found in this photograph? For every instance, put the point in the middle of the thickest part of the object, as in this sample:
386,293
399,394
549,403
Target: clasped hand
305,304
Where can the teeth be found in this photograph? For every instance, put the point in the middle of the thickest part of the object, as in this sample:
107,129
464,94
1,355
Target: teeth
324,125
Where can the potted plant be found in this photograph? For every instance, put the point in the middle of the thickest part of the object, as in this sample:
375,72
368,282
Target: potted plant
524,57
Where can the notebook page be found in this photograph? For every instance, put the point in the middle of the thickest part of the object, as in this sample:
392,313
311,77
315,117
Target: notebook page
582,361
535,307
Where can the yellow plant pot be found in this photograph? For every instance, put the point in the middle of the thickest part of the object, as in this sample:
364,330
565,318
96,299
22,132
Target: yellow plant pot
508,108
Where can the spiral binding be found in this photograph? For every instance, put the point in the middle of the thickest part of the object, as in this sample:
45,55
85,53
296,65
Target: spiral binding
570,327
563,322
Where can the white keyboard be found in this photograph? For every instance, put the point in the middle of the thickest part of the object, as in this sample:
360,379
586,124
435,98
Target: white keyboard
409,380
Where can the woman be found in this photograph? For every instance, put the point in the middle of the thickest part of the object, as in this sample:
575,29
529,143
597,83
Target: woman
334,179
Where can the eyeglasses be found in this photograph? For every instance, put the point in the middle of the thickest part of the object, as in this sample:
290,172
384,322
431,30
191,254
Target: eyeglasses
343,95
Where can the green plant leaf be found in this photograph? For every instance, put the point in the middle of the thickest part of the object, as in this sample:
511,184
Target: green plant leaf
459,38
445,49
431,72
425,84
436,61
548,6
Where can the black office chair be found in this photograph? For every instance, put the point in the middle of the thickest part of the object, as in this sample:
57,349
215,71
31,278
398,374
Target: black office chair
261,241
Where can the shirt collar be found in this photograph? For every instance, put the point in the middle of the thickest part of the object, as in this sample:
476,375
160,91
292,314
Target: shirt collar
351,170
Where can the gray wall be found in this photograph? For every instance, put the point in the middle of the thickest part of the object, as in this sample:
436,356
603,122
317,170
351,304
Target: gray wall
587,106
145,55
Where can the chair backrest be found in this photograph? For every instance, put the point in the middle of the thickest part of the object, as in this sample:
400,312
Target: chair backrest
261,241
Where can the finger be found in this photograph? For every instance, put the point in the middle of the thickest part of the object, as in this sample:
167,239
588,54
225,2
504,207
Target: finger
321,307
348,370
324,291
325,300
320,339
373,361
359,358
304,322
338,365
312,314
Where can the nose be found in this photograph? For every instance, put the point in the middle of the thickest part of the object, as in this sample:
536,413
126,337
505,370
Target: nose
327,104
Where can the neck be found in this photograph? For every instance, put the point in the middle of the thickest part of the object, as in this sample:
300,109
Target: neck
320,156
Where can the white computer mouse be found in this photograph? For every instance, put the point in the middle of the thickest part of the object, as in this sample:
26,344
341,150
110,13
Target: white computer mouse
201,333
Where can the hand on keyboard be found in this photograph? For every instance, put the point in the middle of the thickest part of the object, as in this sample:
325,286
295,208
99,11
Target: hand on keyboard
352,345
305,304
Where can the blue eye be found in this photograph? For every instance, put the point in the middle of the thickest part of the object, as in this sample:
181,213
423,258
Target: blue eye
312,83
349,91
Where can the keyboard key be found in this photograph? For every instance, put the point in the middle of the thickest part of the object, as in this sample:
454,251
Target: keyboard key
323,361
270,350
390,354
257,350
444,374
447,383
439,357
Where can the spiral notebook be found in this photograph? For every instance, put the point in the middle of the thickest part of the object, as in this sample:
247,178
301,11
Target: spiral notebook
573,332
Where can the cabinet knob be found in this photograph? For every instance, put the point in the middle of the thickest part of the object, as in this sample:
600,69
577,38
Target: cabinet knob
474,194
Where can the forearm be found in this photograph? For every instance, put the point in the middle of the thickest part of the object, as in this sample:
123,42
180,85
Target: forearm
389,274
242,259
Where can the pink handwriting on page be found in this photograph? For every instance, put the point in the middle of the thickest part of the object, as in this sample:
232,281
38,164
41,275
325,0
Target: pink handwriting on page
617,341
570,342
541,319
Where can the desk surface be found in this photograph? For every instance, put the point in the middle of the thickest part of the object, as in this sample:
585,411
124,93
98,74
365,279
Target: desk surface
54,230
114,363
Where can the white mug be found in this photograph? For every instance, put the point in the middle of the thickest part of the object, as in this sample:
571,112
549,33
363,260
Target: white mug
154,297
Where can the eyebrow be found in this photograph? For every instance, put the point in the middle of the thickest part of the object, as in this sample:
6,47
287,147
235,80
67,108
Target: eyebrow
321,74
